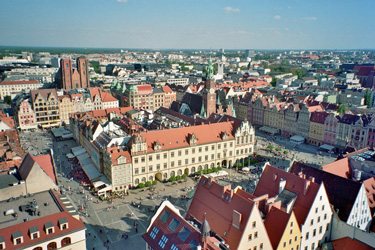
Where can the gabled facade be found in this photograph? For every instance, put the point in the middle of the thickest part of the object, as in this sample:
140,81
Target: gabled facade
307,199
233,215
47,107
26,116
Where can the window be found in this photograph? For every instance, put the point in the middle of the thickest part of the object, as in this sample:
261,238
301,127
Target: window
318,219
284,244
316,210
143,159
158,157
36,248
173,247
136,171
164,217
325,216
172,154
314,233
66,241
255,248
250,237
49,231
150,167
150,158
307,236
322,207
295,238
34,236
135,160
291,231
193,244
320,229
313,246
52,246
254,224
261,246
187,151
173,225
143,169
184,234
154,232
255,235
312,222
165,155
163,241
186,161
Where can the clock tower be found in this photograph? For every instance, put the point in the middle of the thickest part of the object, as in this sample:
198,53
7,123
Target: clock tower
209,94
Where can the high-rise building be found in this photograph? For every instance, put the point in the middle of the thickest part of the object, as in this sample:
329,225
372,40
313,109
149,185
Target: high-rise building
69,78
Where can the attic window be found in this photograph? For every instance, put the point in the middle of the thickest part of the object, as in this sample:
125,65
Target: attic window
63,223
227,198
34,232
2,242
17,238
165,216
49,228
173,225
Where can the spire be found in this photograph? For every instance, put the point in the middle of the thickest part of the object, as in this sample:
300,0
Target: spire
210,70
205,229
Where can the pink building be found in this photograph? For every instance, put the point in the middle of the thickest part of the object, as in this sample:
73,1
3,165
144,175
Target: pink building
329,129
26,116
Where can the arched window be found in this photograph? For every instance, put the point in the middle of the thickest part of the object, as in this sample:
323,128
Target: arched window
199,167
173,173
193,169
179,172
66,241
144,179
52,246
136,181
38,248
165,175
150,178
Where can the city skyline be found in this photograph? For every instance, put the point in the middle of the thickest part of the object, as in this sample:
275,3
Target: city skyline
164,24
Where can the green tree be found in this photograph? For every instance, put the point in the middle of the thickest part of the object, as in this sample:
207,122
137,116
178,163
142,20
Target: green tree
368,99
173,178
7,99
148,183
141,185
342,108
273,82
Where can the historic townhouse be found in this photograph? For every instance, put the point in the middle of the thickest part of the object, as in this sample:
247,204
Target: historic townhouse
329,129
290,120
306,198
47,107
303,122
66,107
118,168
344,129
317,128
359,133
187,150
26,116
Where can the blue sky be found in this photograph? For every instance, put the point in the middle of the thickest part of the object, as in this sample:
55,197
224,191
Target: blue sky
189,24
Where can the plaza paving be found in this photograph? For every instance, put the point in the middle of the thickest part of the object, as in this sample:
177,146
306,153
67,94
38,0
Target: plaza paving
106,221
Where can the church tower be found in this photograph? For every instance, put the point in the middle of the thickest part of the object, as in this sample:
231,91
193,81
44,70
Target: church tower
209,94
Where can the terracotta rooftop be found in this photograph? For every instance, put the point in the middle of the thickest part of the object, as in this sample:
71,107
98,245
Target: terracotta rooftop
318,117
276,217
217,203
178,231
18,82
340,168
179,137
342,192
269,184
370,192
349,244
44,161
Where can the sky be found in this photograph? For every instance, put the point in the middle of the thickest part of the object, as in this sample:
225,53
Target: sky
189,24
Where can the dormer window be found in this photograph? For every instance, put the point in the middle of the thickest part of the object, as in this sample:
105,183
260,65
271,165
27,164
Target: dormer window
63,223
34,232
17,238
193,139
49,228
224,136
157,146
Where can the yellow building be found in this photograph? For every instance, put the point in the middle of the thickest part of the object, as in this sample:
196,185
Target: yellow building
316,131
283,230
66,107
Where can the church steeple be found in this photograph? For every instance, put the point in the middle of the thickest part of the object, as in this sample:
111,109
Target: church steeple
209,95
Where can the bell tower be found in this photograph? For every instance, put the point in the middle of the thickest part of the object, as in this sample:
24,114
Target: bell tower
209,94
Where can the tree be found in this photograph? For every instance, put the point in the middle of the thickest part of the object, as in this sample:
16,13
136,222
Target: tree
273,82
173,178
7,99
342,108
368,99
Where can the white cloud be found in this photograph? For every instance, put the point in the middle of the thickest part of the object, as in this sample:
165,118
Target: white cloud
277,17
310,18
122,1
230,10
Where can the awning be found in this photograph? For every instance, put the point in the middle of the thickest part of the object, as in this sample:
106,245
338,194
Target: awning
326,147
269,130
67,136
297,139
83,157
91,171
78,150
217,174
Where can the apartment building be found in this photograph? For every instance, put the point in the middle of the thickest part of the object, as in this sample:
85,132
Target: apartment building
26,116
46,106
8,88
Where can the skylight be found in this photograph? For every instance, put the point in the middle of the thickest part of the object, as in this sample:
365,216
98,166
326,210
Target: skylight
173,225
184,233
164,217
193,245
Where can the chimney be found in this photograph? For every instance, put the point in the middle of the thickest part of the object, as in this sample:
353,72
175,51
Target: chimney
274,177
301,175
312,179
236,219
306,187
282,184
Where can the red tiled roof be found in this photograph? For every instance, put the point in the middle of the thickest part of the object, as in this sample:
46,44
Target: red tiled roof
116,153
73,225
173,238
167,89
107,97
18,82
364,70
370,192
340,167
46,163
119,110
217,203
276,217
318,117
349,244
9,121
179,137
268,185
144,89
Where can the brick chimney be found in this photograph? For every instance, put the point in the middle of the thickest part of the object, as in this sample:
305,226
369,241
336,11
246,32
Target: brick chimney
274,178
282,184
306,186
